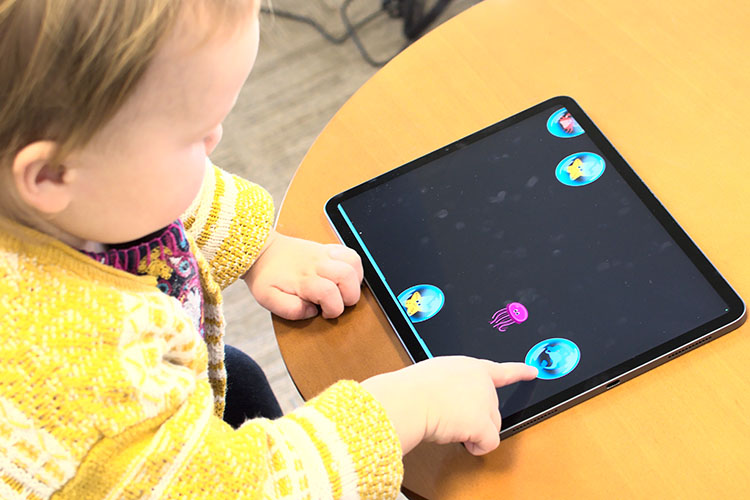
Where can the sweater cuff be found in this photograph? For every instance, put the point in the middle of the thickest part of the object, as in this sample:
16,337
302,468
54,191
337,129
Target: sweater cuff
363,457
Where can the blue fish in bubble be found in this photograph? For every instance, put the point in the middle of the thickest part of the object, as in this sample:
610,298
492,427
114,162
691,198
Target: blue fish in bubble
554,358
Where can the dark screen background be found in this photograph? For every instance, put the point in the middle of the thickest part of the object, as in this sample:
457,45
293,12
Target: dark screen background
490,224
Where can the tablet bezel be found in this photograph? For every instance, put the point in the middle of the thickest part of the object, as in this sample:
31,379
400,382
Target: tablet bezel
733,318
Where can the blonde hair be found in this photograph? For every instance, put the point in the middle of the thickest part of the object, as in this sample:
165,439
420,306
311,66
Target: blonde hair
67,66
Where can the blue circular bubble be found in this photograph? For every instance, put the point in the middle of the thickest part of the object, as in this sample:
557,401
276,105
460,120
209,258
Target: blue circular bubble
580,169
562,124
421,302
554,358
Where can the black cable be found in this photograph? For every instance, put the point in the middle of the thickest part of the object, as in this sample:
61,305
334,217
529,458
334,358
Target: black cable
351,30
337,40
411,10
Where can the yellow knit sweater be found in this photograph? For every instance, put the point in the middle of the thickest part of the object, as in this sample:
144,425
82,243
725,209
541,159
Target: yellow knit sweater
108,391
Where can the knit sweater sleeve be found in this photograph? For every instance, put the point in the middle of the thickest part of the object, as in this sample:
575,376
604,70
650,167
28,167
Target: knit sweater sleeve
339,445
230,221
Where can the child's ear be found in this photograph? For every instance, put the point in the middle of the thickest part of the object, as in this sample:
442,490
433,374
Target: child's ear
40,185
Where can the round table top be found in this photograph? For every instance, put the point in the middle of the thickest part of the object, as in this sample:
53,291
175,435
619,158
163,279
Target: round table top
668,83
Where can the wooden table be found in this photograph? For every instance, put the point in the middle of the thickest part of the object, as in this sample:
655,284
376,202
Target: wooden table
669,83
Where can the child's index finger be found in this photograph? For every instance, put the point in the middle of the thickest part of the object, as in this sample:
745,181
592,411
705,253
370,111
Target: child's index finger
509,373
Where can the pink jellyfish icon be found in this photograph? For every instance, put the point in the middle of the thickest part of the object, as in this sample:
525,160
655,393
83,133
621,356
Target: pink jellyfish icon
508,315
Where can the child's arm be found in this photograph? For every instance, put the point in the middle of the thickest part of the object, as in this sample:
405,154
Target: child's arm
340,444
120,406
291,277
230,220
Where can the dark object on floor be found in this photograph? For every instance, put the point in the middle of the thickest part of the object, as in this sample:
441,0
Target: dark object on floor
417,17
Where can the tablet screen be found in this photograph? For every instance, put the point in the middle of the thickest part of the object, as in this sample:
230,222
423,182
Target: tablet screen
533,241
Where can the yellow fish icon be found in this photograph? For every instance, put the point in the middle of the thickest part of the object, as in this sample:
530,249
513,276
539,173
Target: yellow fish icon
413,304
575,169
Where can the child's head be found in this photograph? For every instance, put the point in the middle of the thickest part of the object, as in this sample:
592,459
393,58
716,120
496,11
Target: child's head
109,108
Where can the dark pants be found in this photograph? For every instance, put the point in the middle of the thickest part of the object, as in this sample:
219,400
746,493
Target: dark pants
249,394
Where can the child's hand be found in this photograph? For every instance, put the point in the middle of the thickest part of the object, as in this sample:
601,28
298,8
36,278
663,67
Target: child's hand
292,275
447,400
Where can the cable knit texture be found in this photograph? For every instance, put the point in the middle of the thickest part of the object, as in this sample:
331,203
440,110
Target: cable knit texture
108,391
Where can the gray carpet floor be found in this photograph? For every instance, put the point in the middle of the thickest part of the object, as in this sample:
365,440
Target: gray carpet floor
297,84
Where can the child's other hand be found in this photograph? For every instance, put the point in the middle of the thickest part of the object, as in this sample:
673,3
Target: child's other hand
447,400
292,275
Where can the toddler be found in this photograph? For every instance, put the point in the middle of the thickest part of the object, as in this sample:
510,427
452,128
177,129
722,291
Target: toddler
116,238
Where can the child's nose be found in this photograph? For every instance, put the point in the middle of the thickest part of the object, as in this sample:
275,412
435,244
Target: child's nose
212,139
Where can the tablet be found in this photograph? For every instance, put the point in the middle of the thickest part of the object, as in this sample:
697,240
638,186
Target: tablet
533,240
